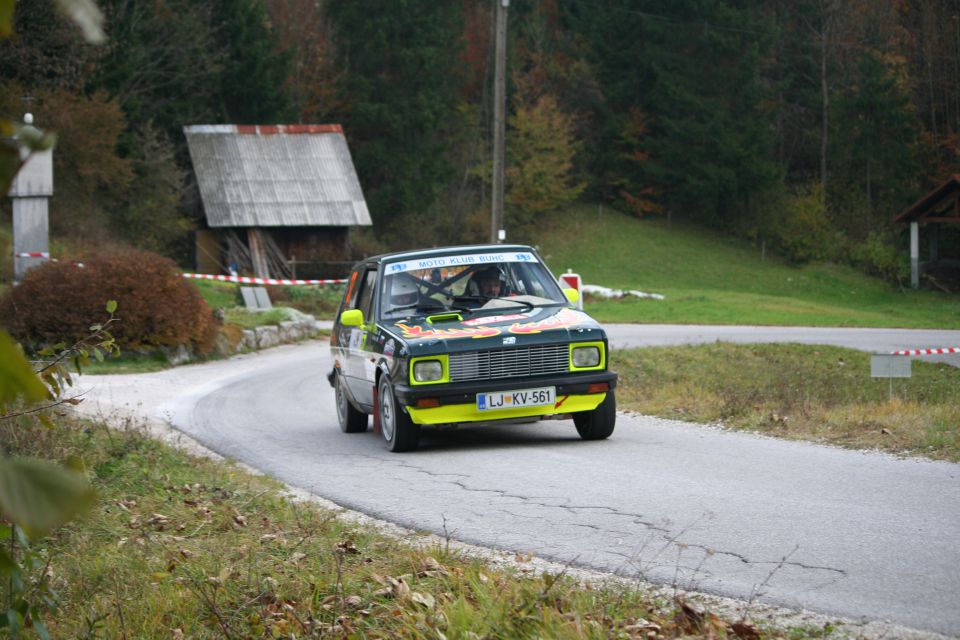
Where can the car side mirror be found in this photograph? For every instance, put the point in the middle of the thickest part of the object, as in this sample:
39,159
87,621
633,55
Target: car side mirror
351,318
572,295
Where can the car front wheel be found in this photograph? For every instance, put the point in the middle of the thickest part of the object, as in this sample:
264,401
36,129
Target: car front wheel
400,432
351,420
599,423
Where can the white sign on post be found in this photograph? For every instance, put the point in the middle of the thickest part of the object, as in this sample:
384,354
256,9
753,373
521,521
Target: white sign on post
889,366
885,365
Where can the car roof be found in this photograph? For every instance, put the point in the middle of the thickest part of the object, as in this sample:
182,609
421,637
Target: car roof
445,251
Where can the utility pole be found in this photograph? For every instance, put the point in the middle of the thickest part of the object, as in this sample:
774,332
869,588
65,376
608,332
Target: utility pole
497,232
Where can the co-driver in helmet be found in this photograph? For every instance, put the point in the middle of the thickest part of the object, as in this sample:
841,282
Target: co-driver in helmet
404,291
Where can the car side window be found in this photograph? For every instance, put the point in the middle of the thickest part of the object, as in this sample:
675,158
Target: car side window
367,286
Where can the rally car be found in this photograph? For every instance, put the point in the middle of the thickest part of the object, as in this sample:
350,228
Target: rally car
466,335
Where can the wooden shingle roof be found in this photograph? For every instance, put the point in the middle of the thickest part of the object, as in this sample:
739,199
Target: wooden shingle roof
276,176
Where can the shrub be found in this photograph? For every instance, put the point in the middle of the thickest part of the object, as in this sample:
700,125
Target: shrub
878,255
59,301
802,233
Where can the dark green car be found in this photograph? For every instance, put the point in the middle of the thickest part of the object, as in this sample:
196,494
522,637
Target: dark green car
466,335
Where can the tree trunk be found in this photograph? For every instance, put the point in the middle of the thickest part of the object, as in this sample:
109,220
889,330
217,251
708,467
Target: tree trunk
825,106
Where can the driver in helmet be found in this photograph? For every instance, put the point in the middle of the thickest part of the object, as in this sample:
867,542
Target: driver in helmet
404,291
491,282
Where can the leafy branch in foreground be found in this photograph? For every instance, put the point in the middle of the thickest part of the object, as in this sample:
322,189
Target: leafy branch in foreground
37,496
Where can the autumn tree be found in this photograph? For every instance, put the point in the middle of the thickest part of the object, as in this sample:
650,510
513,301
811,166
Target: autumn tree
539,162
932,49
45,49
638,196
304,33
91,178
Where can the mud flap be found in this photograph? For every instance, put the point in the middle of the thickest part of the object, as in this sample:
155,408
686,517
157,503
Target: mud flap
376,411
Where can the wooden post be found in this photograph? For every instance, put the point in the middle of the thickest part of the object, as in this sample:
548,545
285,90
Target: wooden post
499,121
933,243
257,255
915,255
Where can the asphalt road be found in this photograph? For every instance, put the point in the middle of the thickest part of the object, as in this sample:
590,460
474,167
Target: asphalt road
861,535
872,340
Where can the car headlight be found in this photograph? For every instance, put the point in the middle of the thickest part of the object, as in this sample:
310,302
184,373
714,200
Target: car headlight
586,357
427,371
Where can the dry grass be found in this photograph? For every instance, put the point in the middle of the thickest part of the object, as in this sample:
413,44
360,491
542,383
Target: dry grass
180,547
800,392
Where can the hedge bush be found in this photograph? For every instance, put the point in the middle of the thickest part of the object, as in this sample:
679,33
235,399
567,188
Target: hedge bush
156,306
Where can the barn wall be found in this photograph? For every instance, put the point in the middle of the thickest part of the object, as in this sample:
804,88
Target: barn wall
312,244
207,251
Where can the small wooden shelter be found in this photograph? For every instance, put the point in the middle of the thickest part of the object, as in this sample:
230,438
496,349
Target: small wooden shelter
279,200
938,208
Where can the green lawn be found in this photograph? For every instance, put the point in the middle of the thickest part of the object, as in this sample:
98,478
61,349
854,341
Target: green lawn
711,279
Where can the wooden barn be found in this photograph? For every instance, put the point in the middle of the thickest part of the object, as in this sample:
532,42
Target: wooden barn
280,200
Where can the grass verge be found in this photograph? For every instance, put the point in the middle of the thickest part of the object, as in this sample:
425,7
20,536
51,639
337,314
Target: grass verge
320,301
818,393
180,547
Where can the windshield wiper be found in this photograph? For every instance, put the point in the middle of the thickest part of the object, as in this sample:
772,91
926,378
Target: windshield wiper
418,306
525,303
429,306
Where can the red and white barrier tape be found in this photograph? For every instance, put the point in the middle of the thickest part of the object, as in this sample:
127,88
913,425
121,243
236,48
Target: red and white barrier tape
927,352
32,254
246,280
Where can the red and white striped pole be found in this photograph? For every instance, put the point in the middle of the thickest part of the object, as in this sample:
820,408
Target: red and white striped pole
927,352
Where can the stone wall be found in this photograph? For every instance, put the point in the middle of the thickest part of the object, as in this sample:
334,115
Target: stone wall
272,335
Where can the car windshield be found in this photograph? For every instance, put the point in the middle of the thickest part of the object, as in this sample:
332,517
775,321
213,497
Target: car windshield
468,281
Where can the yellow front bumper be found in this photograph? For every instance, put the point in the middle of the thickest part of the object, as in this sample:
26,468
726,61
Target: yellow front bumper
454,413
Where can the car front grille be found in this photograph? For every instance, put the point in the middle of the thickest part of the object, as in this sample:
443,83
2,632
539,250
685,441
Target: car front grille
510,363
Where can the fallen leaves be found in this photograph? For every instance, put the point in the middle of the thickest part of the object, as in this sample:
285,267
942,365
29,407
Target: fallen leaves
347,547
745,630
392,587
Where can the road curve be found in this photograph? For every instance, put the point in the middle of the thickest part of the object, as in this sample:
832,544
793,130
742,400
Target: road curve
860,535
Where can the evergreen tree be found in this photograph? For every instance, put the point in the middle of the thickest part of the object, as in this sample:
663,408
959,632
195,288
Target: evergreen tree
254,73
711,146
401,96
875,148
610,38
162,64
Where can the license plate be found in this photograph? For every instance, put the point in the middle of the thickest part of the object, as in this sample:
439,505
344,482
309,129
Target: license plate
512,399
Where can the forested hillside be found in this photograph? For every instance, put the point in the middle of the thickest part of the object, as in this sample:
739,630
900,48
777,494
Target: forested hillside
804,125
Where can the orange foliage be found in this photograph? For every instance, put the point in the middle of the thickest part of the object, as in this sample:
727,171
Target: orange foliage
157,307
640,200
476,50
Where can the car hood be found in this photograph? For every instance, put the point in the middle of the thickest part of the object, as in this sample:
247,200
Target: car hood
447,333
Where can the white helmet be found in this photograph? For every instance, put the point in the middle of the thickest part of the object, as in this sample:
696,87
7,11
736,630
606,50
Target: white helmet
403,290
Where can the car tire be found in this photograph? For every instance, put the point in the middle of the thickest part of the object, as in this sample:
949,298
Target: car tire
351,420
599,423
399,431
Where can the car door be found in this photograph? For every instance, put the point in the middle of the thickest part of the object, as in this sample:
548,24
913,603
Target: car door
356,365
